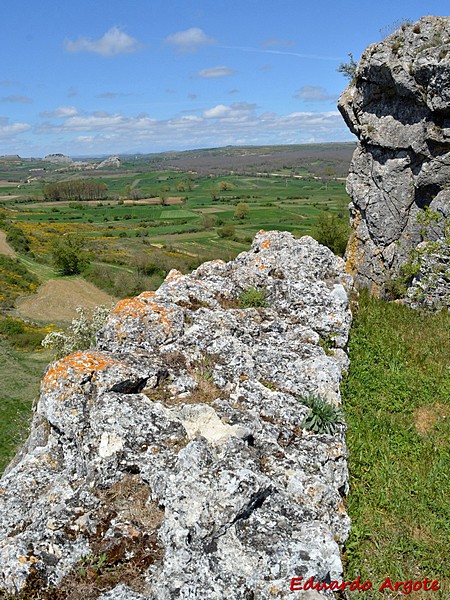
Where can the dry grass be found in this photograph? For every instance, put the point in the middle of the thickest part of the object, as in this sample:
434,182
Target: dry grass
120,558
5,248
57,299
426,417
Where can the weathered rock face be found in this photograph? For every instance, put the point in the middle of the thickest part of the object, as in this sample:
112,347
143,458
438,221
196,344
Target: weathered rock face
171,461
399,108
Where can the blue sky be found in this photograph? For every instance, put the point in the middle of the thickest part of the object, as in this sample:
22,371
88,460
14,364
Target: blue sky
106,77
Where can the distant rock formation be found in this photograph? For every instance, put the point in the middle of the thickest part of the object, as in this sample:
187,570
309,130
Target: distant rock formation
173,458
398,105
58,159
112,161
10,158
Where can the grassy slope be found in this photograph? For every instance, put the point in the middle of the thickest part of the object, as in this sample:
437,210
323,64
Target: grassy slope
20,373
397,404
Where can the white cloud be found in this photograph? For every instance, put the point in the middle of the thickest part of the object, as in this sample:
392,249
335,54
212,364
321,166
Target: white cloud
9,130
189,40
114,42
60,112
314,93
215,72
237,110
219,125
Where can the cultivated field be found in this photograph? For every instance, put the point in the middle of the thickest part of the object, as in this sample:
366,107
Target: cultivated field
57,300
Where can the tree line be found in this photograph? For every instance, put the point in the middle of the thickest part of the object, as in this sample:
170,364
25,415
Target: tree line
76,189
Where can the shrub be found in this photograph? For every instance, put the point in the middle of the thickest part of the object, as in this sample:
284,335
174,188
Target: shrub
241,211
68,254
252,298
348,69
227,231
322,416
333,232
81,333
10,326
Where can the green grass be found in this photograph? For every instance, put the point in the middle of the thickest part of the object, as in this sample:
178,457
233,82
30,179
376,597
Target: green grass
20,373
15,281
396,400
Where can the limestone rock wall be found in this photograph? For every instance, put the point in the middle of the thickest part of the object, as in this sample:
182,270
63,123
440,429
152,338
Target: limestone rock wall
171,460
398,105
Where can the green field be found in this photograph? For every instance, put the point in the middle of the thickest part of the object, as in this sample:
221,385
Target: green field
169,218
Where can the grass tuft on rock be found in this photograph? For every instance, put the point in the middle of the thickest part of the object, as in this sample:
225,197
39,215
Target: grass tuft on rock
322,417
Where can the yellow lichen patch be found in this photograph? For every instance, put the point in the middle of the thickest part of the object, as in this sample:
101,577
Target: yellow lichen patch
353,255
341,507
77,363
336,450
266,244
28,560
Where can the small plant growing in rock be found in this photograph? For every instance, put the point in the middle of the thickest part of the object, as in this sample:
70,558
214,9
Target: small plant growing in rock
322,416
252,298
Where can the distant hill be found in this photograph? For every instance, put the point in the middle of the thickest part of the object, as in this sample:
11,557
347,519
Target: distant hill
334,158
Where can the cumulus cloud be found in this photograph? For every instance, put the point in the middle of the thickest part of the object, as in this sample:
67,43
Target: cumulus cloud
218,125
237,110
17,99
60,112
9,130
216,72
114,42
189,40
314,93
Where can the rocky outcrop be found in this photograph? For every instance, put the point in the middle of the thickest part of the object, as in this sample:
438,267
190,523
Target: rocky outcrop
173,460
110,162
398,105
59,159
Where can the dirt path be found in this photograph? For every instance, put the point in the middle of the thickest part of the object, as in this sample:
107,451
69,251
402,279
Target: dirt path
5,248
57,299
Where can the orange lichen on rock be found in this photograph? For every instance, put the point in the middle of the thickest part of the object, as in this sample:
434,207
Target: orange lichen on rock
75,364
143,308
266,244
133,306
173,275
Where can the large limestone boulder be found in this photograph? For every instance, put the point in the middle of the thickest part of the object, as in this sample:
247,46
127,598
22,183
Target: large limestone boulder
172,461
398,105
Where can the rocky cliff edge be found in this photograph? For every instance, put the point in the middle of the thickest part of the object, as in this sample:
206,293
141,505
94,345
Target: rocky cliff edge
398,105
171,461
